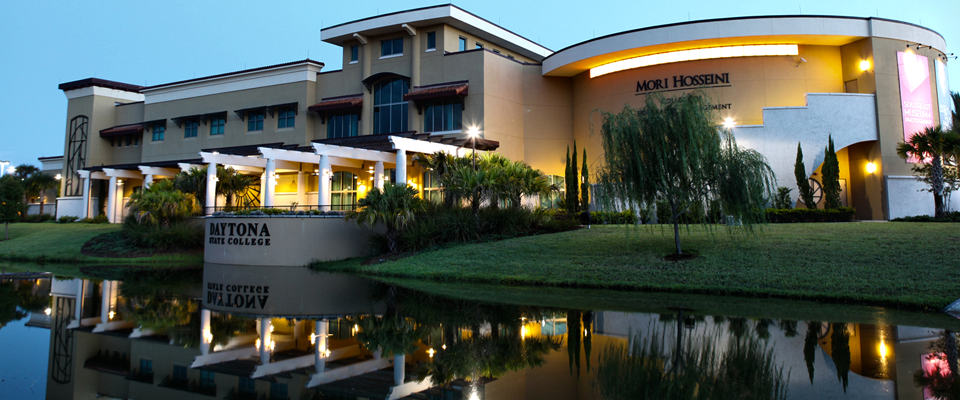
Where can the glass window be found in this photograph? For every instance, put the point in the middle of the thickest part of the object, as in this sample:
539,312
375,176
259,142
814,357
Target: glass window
431,40
190,129
247,385
389,109
146,366
463,43
551,200
342,125
216,125
287,118
431,187
278,391
510,57
443,115
158,131
254,121
479,46
391,47
354,53
179,373
136,140
206,379
343,191
496,51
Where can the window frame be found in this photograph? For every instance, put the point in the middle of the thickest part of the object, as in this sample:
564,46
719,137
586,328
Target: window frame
449,108
395,103
255,120
286,118
431,37
336,126
191,125
157,132
217,125
463,44
393,47
208,379
176,376
247,385
354,54
278,391
432,190
149,366
341,193
478,46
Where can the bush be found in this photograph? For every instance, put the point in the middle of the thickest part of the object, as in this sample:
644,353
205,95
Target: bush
66,219
947,217
782,200
99,219
177,235
842,214
612,218
38,218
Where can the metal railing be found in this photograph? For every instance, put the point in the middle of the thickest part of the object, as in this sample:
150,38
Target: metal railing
295,208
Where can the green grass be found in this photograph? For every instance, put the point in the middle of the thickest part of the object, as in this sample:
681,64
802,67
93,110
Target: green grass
60,243
905,265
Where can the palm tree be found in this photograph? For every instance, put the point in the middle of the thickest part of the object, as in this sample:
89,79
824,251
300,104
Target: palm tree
23,171
39,183
395,207
234,185
162,204
933,144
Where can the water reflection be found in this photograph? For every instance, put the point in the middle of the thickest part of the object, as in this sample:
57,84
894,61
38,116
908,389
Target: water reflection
280,333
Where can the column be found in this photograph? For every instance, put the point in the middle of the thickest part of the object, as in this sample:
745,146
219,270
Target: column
211,197
323,195
301,188
320,344
271,182
147,181
366,113
263,188
401,167
399,368
105,294
86,197
112,200
78,305
378,175
265,338
205,335
414,117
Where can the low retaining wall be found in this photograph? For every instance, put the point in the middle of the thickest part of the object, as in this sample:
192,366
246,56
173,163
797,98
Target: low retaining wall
282,240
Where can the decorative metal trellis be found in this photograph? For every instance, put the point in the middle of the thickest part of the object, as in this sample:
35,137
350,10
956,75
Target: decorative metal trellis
61,364
76,156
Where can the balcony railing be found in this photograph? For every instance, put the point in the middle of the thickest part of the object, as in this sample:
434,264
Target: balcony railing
138,376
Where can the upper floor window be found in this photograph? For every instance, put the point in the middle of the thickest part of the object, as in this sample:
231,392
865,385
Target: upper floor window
496,51
463,43
479,46
207,379
389,108
158,131
391,47
216,125
442,115
510,56
287,117
343,125
190,129
431,40
254,121
354,53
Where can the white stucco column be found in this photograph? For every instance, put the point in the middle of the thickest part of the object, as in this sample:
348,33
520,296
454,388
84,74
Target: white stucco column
210,202
112,200
401,167
301,188
85,213
271,182
205,335
78,305
147,181
323,195
399,368
265,339
320,344
378,175
263,188
106,289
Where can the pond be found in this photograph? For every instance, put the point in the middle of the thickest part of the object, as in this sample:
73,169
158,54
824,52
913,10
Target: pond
238,332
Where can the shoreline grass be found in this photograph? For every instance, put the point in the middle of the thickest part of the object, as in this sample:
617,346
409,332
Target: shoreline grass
50,242
913,266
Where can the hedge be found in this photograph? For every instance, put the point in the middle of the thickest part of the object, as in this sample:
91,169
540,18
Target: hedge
842,214
948,217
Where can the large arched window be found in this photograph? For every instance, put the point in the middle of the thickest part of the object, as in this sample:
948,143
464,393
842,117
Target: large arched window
343,191
551,200
389,108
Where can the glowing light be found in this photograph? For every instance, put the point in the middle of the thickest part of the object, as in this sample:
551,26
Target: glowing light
257,344
313,339
695,54
111,314
273,345
523,332
271,328
47,311
864,65
207,336
119,182
871,167
584,332
729,123
431,352
444,347
473,132
58,177
883,350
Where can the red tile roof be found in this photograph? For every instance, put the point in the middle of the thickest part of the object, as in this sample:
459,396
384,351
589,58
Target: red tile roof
338,103
449,89
122,130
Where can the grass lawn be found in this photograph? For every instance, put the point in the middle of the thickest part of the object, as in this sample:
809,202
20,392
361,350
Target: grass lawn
895,264
60,243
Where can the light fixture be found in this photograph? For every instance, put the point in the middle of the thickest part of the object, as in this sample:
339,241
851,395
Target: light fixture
864,65
871,167
697,54
729,123
111,314
473,131
119,182
271,328
257,344
58,177
47,311
430,352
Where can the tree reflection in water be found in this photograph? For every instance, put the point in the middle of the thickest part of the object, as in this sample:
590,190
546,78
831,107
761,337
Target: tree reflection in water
840,352
810,346
701,368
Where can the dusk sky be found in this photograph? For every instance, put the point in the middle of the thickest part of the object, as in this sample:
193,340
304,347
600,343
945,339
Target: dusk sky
46,43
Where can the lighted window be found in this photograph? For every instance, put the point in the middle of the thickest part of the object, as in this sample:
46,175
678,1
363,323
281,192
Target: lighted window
463,43
158,131
343,191
443,115
389,108
254,121
287,117
431,187
391,47
190,129
343,125
431,40
354,53
216,125
552,200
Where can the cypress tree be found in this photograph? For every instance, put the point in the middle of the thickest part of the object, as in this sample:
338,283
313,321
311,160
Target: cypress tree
803,184
575,185
585,184
567,181
831,177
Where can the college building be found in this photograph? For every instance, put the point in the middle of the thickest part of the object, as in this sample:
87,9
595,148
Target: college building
443,79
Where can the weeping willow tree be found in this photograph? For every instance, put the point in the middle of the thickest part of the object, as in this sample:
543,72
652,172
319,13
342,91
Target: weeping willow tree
672,150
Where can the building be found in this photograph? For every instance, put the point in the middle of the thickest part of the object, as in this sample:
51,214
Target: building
419,81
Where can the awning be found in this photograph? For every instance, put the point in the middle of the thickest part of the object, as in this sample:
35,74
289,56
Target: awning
455,90
122,130
272,109
330,105
250,150
382,142
242,113
180,120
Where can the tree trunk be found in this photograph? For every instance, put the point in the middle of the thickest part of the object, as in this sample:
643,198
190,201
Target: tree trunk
6,234
936,169
676,226
41,205
950,347
392,240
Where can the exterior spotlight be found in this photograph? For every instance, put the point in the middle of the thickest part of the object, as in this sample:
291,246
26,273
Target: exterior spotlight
119,182
58,177
871,167
864,65
729,123
474,132
431,352
47,311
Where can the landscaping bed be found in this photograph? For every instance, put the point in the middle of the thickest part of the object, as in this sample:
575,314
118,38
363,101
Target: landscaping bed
65,243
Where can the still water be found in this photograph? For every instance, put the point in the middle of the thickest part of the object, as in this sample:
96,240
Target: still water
235,332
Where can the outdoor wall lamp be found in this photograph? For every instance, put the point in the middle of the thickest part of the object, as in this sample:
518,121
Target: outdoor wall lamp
871,167
864,65
119,182
729,123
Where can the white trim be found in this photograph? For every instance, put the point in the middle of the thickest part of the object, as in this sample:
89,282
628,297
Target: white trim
453,132
158,171
354,62
392,56
303,72
429,50
354,153
122,173
420,146
101,91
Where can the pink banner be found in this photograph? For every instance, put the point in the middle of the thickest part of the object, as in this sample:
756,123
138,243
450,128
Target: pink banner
916,102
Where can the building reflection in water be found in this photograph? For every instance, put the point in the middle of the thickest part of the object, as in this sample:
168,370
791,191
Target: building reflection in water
287,333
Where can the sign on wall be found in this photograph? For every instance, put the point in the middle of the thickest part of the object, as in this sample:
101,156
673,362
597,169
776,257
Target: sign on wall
916,102
944,102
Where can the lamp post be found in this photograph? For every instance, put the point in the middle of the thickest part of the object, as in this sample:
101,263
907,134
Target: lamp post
473,132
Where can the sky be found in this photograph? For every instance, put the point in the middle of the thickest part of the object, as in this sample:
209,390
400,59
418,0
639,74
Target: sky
44,43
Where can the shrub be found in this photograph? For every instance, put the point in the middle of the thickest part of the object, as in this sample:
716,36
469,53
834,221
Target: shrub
613,218
177,235
782,200
162,204
842,214
66,219
99,219
947,217
38,218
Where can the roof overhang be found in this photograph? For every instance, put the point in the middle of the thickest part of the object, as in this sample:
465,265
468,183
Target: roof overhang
444,14
122,130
